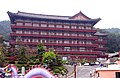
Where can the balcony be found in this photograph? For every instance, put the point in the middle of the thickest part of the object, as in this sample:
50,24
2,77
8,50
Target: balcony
102,49
54,36
101,42
78,52
57,44
48,28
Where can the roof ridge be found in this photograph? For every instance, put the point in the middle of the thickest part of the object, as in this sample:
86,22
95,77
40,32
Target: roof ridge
42,14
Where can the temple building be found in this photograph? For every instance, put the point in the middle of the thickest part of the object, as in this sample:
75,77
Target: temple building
73,37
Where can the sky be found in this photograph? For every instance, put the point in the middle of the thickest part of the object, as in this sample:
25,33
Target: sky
107,10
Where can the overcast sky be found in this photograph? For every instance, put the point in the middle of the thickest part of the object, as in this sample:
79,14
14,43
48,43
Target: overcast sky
107,10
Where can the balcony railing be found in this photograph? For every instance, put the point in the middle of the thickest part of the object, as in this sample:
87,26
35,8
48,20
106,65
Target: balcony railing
57,44
54,36
55,28
78,52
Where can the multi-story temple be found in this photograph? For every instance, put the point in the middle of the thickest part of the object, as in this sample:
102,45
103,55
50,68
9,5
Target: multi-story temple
73,37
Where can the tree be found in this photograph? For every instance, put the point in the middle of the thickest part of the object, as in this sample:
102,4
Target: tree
22,56
2,57
49,58
40,51
54,62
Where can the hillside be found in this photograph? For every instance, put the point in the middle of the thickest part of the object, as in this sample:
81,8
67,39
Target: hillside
5,28
112,30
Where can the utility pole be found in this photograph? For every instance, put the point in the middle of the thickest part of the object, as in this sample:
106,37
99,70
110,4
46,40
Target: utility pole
74,70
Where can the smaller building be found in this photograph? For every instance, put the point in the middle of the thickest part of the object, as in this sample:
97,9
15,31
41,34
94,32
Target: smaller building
110,70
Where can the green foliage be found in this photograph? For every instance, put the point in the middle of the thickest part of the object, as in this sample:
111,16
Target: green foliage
2,57
54,62
49,58
22,54
59,70
40,50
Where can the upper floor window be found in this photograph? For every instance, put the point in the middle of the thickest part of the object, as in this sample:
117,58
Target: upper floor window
51,25
43,33
73,27
66,26
35,32
100,39
19,31
28,24
43,25
26,40
73,34
58,33
51,33
88,28
66,41
82,48
43,41
35,40
66,34
66,48
81,34
88,42
35,25
88,35
81,42
58,26
19,23
27,32
74,42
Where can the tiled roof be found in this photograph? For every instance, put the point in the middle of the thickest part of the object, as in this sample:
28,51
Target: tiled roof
42,15
99,33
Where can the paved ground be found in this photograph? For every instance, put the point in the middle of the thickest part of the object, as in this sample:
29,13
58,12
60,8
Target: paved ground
82,71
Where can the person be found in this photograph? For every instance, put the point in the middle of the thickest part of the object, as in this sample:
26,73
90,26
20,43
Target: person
3,75
90,74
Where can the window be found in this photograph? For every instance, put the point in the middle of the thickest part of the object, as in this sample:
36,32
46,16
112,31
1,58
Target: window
74,49
58,26
26,40
58,41
66,41
66,26
73,27
59,49
73,34
81,34
19,23
58,33
51,33
100,46
43,33
51,25
50,41
66,34
81,27
81,42
35,32
100,39
35,25
74,42
27,32
82,48
88,35
66,48
43,41
19,31
35,40
43,25
88,42
28,24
